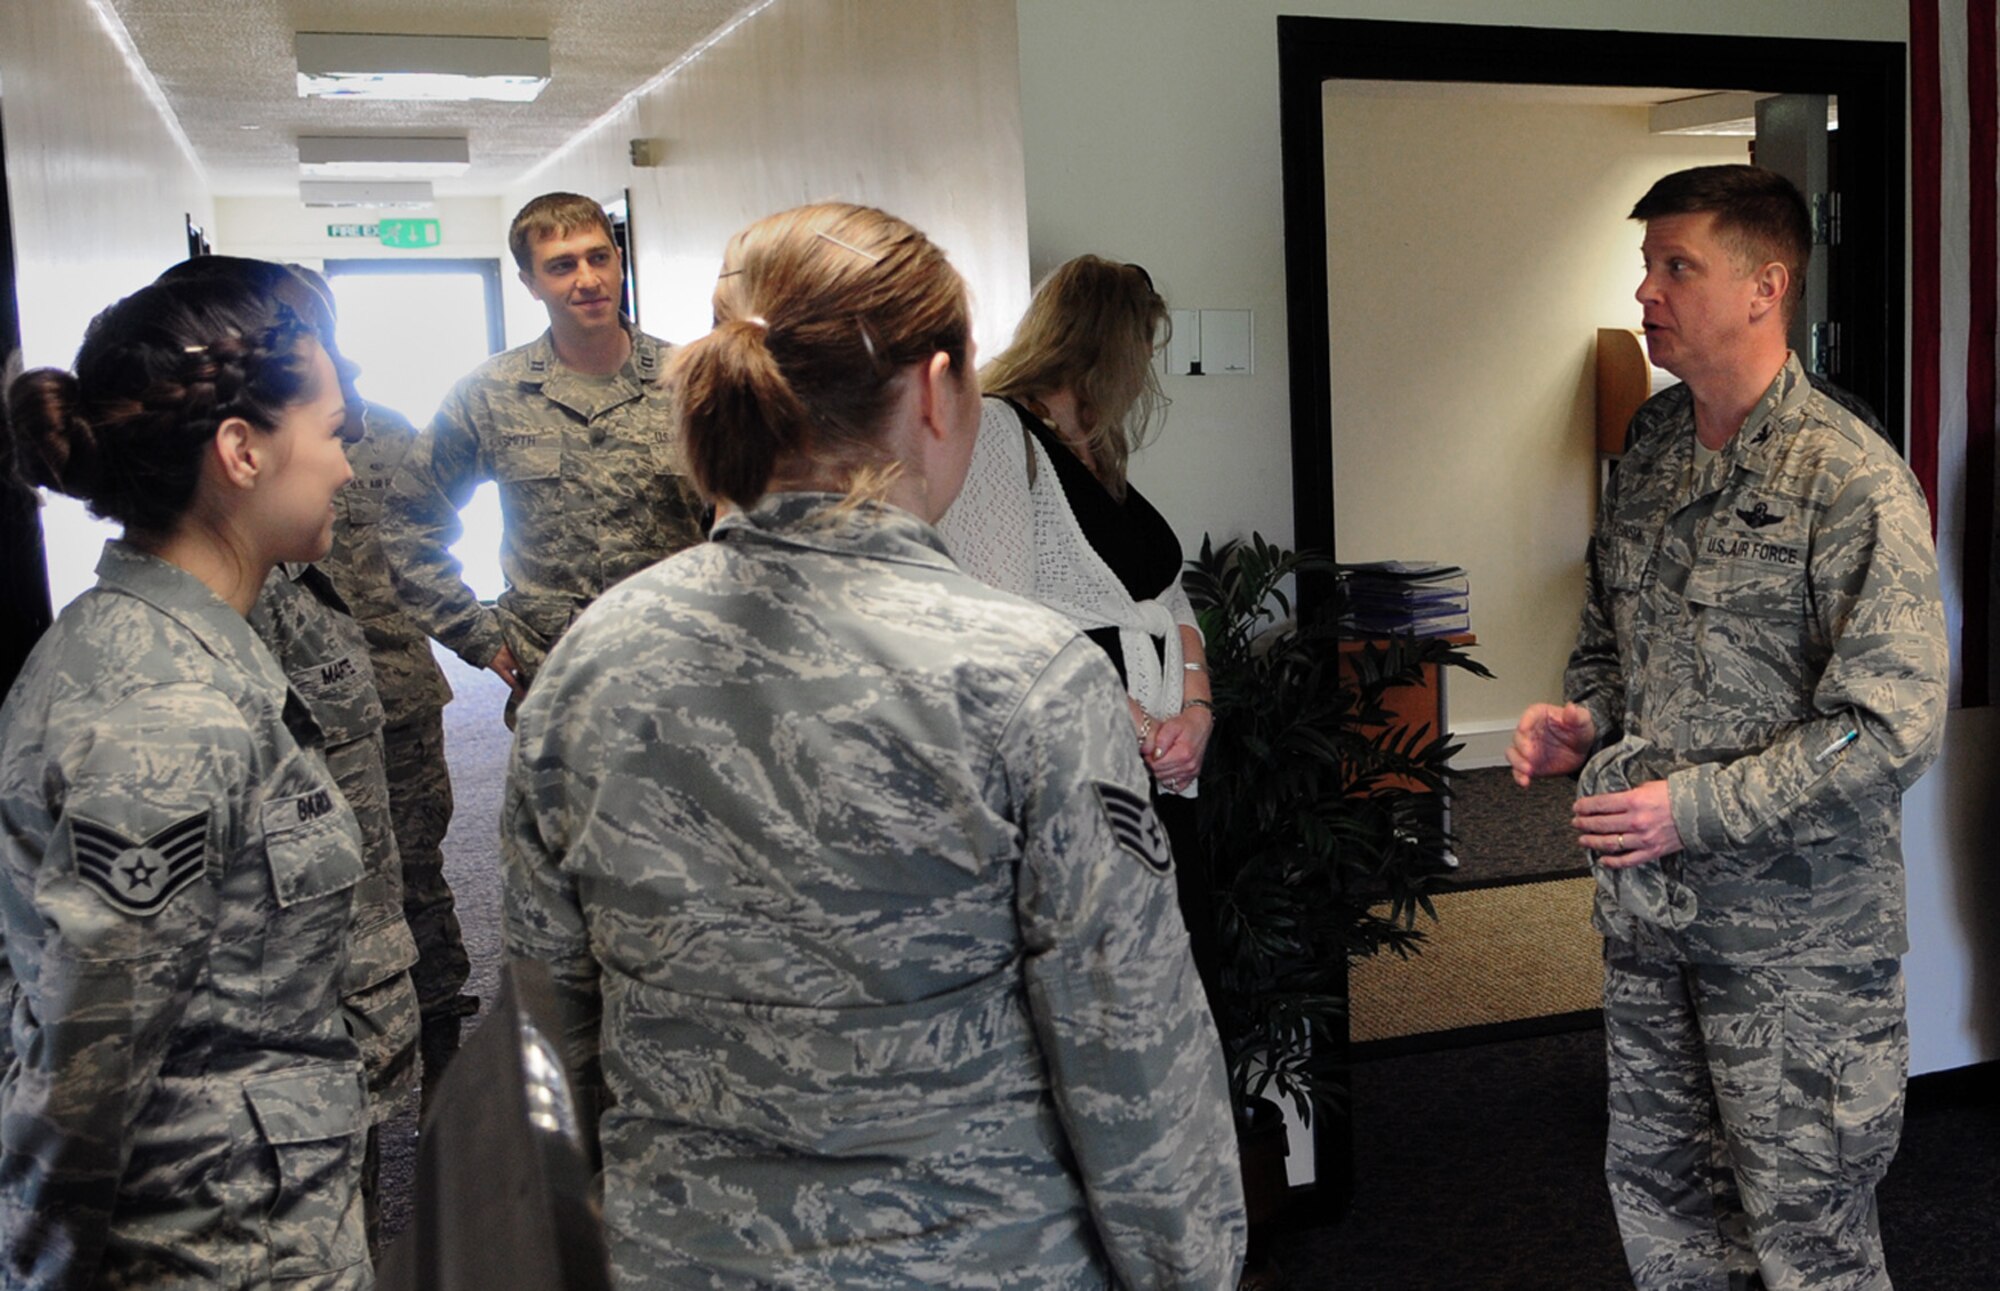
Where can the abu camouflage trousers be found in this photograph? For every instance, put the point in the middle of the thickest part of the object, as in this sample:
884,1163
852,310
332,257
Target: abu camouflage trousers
420,806
1753,1111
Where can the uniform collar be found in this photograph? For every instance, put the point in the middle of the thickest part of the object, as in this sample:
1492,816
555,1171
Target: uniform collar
1766,431
588,396
188,601
821,522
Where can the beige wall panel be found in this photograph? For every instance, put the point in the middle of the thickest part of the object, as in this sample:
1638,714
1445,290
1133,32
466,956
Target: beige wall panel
1474,247
99,183
910,105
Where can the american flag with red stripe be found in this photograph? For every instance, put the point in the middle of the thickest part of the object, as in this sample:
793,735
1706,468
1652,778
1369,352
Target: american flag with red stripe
1954,303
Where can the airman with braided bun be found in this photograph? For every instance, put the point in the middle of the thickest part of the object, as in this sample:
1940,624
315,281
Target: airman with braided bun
183,1103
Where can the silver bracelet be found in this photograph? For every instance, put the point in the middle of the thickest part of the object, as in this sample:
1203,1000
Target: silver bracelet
1195,667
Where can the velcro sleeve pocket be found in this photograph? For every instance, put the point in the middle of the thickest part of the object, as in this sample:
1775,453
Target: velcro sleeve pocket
311,844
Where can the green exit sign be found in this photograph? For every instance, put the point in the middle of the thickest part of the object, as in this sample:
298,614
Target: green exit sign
409,234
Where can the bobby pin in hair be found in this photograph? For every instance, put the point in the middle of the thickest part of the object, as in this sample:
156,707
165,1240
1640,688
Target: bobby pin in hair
194,349
867,341
729,273
869,256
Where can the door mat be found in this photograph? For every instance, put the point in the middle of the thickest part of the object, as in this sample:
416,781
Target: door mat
1495,955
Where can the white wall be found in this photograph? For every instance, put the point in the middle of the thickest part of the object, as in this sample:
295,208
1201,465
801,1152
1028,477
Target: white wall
910,105
101,189
1151,130
1474,247
98,180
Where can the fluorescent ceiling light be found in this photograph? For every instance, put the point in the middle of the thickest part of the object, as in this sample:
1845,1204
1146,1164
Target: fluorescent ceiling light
330,192
355,65
333,156
1732,115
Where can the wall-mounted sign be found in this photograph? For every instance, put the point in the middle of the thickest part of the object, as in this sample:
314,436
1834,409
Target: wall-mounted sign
410,234
350,230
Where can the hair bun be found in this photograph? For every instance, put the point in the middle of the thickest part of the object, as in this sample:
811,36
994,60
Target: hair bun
53,446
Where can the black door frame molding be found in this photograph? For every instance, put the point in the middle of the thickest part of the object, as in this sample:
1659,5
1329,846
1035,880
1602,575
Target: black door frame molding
1868,77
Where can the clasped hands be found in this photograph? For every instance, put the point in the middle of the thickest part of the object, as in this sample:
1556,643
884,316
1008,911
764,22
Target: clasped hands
1173,747
1626,828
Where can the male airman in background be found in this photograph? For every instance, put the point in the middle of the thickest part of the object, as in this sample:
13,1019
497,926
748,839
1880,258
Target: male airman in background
1760,674
574,427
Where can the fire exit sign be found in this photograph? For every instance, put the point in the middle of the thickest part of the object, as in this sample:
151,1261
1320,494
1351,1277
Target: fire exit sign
409,234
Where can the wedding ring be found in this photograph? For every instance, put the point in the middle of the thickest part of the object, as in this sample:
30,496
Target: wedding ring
1621,842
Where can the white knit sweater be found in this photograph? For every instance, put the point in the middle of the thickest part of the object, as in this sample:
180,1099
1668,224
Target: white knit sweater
1024,539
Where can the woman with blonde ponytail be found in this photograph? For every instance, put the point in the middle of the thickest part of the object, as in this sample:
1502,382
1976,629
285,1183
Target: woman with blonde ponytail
844,861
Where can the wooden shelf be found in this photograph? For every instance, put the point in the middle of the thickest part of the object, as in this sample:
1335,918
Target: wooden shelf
1624,381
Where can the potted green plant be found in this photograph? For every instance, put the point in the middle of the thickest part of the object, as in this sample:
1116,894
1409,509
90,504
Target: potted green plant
1320,819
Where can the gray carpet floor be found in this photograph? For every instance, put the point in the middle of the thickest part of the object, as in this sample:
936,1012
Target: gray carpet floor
476,745
1505,834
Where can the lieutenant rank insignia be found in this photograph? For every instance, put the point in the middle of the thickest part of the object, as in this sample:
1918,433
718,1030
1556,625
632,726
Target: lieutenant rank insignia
1135,825
139,877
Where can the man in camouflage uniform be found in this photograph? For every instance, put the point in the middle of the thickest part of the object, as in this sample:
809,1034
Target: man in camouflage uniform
414,693
300,617
1761,673
574,428
845,866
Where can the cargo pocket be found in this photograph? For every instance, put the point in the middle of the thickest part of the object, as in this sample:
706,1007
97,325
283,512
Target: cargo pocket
342,695
1622,560
311,1120
1868,1102
359,506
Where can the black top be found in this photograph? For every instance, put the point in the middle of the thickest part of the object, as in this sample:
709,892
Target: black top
1131,537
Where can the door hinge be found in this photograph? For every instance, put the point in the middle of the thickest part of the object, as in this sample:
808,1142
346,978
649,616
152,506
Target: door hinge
1826,219
1823,349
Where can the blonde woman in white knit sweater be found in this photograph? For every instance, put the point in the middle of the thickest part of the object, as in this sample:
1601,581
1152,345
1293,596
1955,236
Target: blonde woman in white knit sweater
1047,512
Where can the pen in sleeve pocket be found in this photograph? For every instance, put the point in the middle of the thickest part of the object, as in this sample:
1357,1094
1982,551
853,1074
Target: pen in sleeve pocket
1839,743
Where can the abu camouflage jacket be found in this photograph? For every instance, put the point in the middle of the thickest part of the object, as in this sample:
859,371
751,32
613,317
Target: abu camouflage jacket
846,864
591,491
1769,627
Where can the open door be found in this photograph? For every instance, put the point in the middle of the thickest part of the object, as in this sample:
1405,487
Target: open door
1792,139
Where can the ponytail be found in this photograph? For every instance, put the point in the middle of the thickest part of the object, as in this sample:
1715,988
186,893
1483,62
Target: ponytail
739,416
819,311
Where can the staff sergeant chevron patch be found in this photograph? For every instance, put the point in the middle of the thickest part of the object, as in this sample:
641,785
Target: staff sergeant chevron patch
139,878
1135,825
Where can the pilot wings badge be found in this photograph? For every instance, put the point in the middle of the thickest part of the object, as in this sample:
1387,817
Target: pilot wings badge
1759,516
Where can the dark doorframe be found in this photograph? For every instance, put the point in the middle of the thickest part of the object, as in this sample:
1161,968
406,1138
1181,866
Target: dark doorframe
619,211
1868,77
24,571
